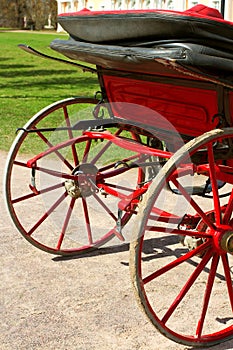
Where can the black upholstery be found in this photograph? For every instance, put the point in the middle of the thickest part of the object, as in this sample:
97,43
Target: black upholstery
125,28
211,60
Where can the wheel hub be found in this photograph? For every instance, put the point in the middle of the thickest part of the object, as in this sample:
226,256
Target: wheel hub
85,186
223,239
226,241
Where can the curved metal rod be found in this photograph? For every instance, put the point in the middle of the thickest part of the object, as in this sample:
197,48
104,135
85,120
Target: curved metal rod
32,51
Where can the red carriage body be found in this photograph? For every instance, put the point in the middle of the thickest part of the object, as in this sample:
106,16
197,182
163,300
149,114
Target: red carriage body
152,65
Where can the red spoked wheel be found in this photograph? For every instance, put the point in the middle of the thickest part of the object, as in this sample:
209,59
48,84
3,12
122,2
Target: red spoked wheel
181,258
63,188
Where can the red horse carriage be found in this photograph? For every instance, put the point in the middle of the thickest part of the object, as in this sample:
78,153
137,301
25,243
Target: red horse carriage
148,160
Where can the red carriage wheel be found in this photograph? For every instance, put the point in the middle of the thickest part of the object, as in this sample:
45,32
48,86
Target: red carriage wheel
181,258
64,198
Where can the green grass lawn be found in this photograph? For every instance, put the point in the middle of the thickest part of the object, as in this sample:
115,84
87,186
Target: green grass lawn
29,83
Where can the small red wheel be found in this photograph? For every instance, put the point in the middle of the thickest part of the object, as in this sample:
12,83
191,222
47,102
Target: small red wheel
64,198
181,258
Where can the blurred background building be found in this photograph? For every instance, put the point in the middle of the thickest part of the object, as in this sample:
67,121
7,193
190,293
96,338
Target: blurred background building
42,14
65,6
179,5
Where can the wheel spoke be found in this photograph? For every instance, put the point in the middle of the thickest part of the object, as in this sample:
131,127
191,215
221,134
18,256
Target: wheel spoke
70,134
66,222
87,221
30,195
187,286
105,207
197,234
112,165
214,184
209,287
105,148
54,173
46,215
193,203
176,262
228,210
86,150
50,145
227,272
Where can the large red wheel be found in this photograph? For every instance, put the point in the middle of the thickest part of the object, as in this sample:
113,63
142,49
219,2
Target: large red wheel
64,198
181,257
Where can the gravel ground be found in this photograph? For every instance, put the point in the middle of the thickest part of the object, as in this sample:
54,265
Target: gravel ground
83,303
